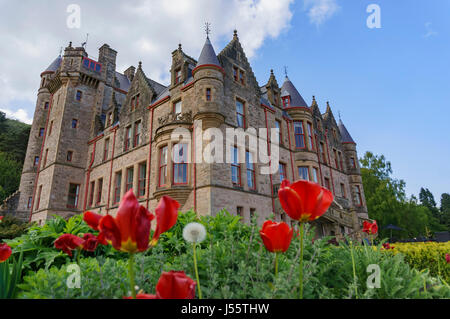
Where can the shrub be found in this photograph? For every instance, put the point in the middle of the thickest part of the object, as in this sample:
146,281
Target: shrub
11,227
428,255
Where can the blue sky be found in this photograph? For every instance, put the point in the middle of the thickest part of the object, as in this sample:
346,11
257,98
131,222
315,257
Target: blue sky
390,84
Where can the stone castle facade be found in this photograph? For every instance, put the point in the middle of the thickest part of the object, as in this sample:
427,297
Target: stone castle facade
97,133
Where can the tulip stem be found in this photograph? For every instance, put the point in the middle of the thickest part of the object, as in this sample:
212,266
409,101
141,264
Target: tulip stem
196,272
276,263
354,269
131,275
301,259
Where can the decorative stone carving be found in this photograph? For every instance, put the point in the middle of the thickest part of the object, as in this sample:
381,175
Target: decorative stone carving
175,118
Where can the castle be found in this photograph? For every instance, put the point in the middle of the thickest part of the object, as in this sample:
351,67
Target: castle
97,133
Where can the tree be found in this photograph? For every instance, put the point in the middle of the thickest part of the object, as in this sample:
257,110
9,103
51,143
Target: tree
387,202
427,200
10,172
445,210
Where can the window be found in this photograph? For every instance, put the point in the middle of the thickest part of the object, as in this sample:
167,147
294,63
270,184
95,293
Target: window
322,152
36,161
319,128
45,158
130,175
74,123
278,126
310,136
72,198
30,199
336,162
91,194
358,198
127,138
136,104
177,76
299,135
235,167
99,191
241,77
353,162
79,95
251,182
240,211
142,179
51,128
303,172
106,150
235,73
240,115
137,133
343,193
69,156
41,132
315,175
282,170
180,164
327,183
208,94
117,187
177,109
162,166
39,197
286,101
46,104
91,64
341,162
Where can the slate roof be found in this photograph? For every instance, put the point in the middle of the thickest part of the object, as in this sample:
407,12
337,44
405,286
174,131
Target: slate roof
208,56
124,82
288,89
158,87
345,135
54,65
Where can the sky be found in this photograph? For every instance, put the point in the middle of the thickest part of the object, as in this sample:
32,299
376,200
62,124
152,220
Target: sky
390,84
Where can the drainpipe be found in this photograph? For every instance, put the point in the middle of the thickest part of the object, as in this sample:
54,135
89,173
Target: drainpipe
149,159
40,157
268,153
329,160
88,176
195,169
111,168
290,149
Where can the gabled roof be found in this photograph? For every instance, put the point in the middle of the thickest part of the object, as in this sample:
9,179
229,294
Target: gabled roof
208,56
288,89
54,65
345,135
124,82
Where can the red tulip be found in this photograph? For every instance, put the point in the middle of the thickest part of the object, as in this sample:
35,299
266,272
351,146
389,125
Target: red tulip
387,246
129,231
276,236
175,285
68,242
166,216
5,252
370,228
304,201
447,258
92,219
91,242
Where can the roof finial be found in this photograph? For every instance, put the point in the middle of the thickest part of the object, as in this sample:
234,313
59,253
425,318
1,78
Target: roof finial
140,65
60,51
235,33
339,114
70,44
179,46
285,71
314,98
207,29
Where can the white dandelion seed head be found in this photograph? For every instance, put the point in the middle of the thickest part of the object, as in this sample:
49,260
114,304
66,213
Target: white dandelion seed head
194,233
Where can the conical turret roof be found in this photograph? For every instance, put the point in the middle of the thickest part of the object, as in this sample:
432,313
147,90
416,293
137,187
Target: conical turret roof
345,135
208,56
288,89
54,65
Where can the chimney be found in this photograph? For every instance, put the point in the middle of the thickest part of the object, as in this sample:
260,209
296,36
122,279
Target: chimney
107,57
129,73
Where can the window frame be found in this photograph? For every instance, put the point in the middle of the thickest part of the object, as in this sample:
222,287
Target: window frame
106,150
184,164
117,187
142,180
251,170
161,149
76,123
302,135
77,196
91,193
240,114
282,171
128,183
99,191
208,94
137,133
307,173
236,165
69,156
309,129
358,195
79,95
128,138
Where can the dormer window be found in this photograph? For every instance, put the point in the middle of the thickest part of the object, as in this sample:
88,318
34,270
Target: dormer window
286,101
177,76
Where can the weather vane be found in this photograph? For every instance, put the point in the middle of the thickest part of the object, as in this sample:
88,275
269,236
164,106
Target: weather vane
285,70
207,29
60,50
339,113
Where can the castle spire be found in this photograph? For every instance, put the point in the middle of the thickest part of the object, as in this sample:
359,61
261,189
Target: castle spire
208,56
346,138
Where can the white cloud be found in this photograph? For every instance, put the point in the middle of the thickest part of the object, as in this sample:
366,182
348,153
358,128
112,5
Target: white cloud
320,10
430,31
32,32
20,115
